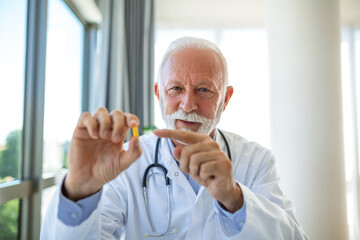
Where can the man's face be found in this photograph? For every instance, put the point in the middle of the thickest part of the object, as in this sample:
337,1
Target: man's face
191,94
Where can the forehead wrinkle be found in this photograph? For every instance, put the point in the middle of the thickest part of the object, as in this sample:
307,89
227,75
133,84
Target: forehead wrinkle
208,57
211,69
201,78
177,71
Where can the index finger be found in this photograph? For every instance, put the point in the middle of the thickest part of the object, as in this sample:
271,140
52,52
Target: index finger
183,136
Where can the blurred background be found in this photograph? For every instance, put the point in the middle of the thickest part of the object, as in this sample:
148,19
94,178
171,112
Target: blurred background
294,66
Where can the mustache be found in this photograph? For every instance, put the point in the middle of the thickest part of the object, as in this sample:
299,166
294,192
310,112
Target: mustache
190,117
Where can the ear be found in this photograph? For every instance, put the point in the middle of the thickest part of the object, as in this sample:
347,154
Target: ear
156,90
229,93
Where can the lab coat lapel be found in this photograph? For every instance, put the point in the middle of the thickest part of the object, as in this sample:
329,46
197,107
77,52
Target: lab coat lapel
203,214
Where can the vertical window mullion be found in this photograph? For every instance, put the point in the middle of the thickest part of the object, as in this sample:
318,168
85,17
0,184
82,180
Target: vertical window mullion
88,64
33,116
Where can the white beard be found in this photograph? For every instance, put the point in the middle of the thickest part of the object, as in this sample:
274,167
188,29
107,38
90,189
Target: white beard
206,127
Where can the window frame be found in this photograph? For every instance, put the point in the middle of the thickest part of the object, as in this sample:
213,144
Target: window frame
32,182
351,96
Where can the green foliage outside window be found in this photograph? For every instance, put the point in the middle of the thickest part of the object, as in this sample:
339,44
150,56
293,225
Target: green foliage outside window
9,167
10,156
9,220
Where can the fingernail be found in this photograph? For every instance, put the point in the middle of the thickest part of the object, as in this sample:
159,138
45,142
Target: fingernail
95,134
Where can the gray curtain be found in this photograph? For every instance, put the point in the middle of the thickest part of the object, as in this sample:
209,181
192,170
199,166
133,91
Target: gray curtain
124,65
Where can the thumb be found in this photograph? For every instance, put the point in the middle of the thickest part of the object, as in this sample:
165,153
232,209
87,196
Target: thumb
133,153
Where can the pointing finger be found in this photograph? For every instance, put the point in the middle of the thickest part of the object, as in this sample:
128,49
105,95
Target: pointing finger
182,136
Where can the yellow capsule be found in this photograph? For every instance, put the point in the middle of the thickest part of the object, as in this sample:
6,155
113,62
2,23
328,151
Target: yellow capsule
135,131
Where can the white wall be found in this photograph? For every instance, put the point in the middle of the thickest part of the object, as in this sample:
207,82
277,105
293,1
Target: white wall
324,158
350,12
229,13
209,13
306,111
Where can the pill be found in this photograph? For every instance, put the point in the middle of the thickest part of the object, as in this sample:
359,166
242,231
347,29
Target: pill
135,131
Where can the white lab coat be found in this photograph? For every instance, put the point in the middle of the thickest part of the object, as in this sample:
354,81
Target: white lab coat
122,213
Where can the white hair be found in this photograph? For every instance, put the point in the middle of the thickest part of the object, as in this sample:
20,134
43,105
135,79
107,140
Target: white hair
199,44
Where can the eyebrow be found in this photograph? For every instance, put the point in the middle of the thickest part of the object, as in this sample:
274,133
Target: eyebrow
209,85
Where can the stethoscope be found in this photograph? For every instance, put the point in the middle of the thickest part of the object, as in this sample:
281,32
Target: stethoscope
156,164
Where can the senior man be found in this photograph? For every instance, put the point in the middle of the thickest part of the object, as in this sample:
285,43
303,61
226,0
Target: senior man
189,181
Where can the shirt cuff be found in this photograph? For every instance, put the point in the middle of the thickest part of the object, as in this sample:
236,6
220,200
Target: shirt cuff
231,223
74,213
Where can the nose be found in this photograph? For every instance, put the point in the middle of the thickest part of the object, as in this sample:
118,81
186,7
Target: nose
188,102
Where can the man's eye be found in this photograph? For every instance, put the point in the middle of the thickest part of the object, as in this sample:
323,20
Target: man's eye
204,90
174,90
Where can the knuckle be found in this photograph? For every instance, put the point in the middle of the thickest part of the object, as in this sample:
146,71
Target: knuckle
185,152
100,110
117,117
87,120
194,159
214,144
227,163
222,156
205,169
85,115
116,112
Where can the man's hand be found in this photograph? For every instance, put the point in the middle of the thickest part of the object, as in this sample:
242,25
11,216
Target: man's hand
207,164
96,154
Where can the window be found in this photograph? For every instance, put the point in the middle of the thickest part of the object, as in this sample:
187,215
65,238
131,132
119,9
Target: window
63,81
246,53
350,59
12,59
63,84
12,70
42,46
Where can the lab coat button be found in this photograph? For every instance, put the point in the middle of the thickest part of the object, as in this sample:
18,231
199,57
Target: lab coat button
176,174
73,215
